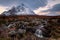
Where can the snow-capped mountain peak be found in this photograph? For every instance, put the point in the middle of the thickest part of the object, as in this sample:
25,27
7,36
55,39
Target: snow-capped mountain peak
19,10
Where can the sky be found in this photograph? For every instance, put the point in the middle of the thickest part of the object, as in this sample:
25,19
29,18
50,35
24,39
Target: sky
40,7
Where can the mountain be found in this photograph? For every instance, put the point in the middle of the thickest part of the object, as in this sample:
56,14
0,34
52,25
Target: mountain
22,9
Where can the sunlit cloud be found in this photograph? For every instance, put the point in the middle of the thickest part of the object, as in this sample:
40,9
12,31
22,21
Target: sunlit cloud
38,11
2,9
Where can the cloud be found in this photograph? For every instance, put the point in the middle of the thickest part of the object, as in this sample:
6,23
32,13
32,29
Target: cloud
55,8
32,3
2,9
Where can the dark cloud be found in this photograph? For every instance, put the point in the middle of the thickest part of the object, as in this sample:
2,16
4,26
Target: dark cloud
32,3
55,8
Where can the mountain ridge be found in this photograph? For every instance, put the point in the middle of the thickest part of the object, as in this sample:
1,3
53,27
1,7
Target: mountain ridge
19,10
